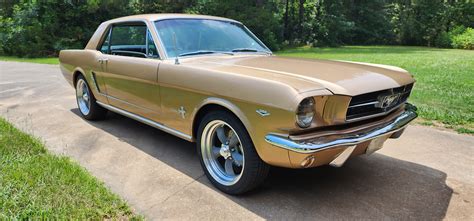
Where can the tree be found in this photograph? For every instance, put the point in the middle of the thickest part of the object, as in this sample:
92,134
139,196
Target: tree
369,27
42,28
260,16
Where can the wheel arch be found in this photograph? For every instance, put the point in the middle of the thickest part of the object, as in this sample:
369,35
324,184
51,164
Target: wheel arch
89,80
75,74
214,104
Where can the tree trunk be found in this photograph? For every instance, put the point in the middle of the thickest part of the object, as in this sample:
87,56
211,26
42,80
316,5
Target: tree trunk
292,19
301,19
285,28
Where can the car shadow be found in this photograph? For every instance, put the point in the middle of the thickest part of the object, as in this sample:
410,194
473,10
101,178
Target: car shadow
366,187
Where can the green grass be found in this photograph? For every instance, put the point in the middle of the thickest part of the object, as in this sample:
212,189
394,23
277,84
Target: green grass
32,60
35,184
444,91
465,130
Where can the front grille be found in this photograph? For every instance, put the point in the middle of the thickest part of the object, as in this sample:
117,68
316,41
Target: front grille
377,103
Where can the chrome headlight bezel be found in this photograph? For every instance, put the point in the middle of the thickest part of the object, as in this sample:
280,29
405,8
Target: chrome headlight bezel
305,112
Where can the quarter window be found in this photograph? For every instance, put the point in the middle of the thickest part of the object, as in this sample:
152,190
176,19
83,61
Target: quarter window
105,46
152,51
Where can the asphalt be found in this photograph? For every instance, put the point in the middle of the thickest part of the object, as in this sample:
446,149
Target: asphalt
427,174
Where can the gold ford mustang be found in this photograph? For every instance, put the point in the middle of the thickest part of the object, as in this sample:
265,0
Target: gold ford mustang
209,80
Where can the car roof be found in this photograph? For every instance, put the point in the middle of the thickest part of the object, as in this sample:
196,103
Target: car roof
156,17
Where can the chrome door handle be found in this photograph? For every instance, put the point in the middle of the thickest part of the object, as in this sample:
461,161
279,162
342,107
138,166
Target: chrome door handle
102,60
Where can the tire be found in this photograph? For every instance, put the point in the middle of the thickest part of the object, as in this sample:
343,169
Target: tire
86,101
234,167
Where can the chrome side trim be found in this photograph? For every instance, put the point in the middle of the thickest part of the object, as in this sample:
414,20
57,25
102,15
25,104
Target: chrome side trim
95,83
146,121
342,158
316,144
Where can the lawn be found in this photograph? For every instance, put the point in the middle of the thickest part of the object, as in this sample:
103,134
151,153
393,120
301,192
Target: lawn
444,92
32,60
35,184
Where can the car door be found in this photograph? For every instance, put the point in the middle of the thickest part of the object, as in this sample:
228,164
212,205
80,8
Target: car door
130,73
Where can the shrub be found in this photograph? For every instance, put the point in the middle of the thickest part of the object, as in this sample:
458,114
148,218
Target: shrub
464,40
446,39
458,30
443,40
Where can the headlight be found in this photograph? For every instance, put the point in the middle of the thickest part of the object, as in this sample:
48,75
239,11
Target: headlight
305,112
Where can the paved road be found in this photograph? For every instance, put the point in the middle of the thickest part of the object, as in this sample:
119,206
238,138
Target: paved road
426,175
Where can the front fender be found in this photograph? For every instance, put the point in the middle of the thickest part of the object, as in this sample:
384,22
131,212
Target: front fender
226,104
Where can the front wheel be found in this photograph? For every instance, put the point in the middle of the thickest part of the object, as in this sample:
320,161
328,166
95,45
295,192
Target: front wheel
227,154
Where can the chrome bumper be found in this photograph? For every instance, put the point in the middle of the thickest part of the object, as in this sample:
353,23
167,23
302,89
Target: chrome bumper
326,142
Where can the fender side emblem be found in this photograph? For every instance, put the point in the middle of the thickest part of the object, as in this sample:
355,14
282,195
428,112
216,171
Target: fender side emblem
182,112
262,112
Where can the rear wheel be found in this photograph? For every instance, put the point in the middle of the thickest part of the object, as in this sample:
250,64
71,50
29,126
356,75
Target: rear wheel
227,154
86,101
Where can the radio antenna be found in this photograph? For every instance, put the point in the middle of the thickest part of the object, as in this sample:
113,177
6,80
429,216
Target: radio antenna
176,59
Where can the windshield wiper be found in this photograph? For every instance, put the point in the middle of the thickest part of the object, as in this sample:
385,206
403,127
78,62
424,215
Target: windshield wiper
244,50
249,50
202,52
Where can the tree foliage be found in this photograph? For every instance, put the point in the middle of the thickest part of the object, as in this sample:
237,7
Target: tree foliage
42,28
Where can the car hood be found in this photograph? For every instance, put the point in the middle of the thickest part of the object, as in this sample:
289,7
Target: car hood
339,77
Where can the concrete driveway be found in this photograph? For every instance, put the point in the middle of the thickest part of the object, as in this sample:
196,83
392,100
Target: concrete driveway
428,174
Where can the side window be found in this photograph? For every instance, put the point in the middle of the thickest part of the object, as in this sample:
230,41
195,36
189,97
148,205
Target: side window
152,51
105,45
128,40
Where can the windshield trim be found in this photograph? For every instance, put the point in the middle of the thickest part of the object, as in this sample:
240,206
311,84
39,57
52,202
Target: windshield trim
211,19
203,52
247,30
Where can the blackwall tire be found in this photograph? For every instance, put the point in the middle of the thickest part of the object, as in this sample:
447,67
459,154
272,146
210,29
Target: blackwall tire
227,154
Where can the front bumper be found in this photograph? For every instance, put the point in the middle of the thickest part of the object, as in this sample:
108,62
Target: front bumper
346,141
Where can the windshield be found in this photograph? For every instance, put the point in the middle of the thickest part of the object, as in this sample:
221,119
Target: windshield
200,36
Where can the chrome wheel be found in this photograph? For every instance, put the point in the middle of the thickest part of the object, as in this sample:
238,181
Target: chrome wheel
83,97
222,152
